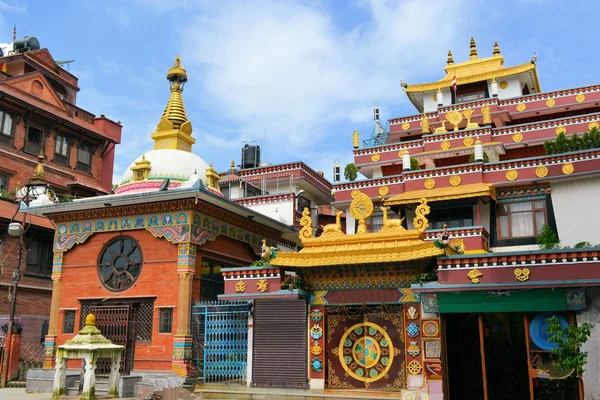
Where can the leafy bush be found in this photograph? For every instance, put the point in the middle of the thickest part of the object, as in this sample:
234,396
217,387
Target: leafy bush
569,340
548,239
562,144
350,172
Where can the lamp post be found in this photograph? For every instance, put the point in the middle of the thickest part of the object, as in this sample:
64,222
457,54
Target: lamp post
15,229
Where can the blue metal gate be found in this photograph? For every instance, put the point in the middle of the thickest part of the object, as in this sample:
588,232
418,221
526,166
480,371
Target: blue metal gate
220,341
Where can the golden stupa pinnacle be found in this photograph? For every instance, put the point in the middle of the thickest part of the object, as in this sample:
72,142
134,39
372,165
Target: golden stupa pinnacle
39,174
450,58
174,131
496,48
473,52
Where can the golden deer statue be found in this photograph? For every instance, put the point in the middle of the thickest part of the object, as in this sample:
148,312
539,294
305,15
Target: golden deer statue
390,223
334,228
442,128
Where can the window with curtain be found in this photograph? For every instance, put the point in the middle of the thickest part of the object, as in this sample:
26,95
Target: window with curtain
521,219
6,124
84,158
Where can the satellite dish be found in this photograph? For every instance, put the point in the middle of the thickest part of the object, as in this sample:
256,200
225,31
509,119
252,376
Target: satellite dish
165,185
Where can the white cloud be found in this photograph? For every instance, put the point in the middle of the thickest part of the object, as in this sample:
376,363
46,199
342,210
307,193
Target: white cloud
289,69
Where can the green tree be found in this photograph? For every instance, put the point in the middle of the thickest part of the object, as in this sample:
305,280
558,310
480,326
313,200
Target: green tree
414,164
350,172
548,239
567,354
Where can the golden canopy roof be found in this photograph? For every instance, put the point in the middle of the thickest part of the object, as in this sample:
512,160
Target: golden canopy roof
393,243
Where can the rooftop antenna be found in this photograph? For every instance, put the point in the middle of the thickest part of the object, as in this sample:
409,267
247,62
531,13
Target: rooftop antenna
15,32
264,148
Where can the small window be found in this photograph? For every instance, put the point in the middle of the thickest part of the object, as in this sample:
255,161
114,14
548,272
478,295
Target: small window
521,219
39,255
84,158
6,127
34,140
3,182
165,316
69,321
62,146
303,202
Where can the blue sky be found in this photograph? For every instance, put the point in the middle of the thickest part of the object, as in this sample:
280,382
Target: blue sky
300,75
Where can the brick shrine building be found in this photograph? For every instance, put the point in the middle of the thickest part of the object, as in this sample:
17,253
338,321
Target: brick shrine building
40,118
139,258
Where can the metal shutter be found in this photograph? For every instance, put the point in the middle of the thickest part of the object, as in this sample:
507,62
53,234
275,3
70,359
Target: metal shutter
280,341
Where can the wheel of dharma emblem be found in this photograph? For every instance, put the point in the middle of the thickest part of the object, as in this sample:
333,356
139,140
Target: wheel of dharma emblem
366,352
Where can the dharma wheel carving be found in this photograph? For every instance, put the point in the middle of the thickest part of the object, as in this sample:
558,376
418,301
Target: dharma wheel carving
120,263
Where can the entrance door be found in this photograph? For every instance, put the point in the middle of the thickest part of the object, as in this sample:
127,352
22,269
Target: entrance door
486,356
365,351
114,323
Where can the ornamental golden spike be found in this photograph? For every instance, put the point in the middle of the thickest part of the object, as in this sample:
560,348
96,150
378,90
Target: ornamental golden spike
420,222
473,52
306,222
496,48
450,59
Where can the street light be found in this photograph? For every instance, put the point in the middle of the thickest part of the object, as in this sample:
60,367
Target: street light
35,192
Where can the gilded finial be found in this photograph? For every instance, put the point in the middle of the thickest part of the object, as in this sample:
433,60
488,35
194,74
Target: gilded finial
450,59
473,52
212,178
477,141
496,48
232,166
424,124
90,320
174,130
177,75
39,174
356,139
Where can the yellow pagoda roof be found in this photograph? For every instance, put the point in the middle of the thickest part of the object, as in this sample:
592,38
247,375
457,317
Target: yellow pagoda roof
474,70
445,193
393,243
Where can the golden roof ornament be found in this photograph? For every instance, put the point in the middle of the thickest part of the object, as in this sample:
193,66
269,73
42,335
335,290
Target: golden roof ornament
473,52
450,59
39,174
361,208
306,222
496,48
213,178
232,166
141,169
356,139
425,124
174,131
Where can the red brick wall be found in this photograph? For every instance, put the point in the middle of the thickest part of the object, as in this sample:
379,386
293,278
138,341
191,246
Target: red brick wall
158,279
29,301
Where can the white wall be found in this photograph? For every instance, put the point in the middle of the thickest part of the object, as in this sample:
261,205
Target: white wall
514,88
591,376
484,214
576,210
430,105
281,211
350,223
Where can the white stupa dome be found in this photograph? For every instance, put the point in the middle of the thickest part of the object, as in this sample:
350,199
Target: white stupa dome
176,165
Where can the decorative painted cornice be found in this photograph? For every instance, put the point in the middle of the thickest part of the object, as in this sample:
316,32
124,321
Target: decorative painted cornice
518,259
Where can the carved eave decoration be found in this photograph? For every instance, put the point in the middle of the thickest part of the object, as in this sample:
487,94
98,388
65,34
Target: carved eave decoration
392,243
444,193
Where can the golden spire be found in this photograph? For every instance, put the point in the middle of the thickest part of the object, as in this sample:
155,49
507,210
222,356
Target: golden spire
39,174
473,52
213,178
232,164
450,59
174,131
496,48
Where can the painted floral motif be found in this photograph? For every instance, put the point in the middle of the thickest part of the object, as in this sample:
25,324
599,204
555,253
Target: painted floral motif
316,315
414,350
316,365
316,332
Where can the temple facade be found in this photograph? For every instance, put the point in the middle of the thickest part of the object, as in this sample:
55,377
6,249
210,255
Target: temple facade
140,258
504,167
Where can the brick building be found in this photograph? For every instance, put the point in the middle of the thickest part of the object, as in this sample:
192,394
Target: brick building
40,121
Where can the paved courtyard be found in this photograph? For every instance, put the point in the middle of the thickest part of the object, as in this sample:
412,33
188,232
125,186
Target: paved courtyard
20,394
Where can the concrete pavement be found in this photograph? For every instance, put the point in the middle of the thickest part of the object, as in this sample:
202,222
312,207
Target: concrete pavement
20,394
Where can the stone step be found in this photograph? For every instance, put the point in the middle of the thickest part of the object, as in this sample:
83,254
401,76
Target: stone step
245,393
